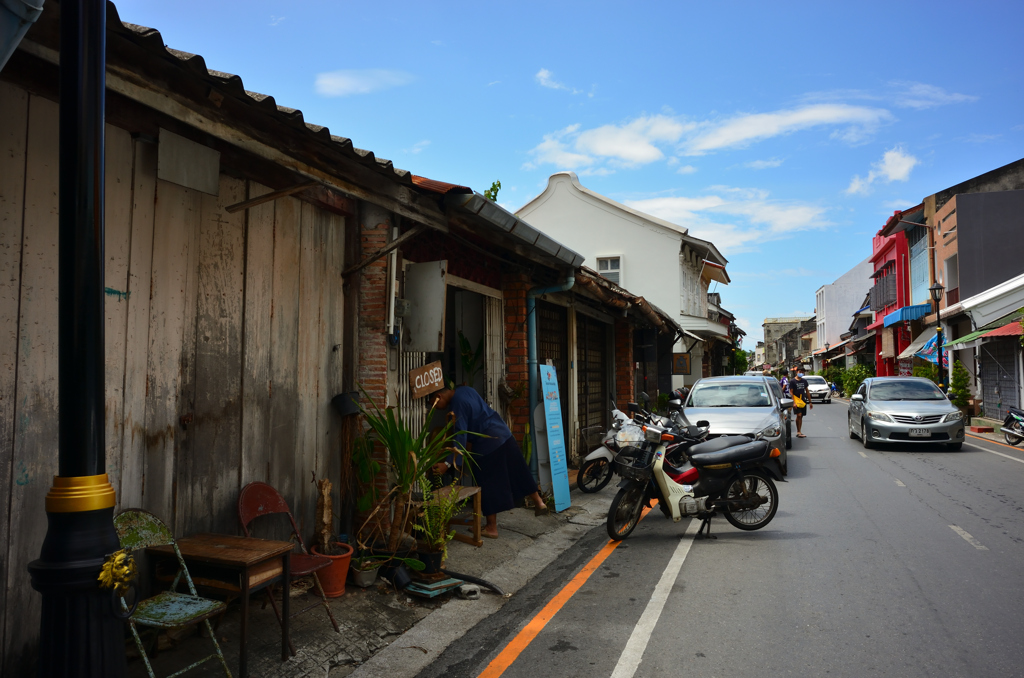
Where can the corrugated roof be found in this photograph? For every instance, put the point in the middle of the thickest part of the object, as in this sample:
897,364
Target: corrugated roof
440,187
229,84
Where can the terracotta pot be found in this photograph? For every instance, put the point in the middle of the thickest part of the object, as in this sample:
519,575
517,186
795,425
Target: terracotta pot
332,578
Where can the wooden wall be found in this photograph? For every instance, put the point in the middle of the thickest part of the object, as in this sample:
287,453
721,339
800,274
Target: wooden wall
223,347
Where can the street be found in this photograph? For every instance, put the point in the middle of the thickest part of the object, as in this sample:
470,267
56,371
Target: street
893,562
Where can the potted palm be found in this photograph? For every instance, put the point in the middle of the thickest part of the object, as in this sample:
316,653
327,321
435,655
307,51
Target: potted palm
440,505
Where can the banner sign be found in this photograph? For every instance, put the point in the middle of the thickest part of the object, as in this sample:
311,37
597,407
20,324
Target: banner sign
556,437
425,380
930,352
680,363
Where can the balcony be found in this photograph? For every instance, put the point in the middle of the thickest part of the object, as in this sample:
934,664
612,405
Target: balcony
952,297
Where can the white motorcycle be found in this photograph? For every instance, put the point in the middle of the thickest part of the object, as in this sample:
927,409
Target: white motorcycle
596,470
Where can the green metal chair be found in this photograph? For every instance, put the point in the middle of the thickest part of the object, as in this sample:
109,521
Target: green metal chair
139,529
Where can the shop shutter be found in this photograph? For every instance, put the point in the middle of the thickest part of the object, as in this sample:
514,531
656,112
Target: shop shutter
888,350
592,373
999,384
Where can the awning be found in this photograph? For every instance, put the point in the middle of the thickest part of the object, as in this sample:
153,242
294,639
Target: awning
1012,330
966,341
861,310
906,313
712,271
1005,326
917,344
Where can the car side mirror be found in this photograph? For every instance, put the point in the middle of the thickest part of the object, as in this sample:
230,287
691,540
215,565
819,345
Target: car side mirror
786,403
856,397
633,407
675,404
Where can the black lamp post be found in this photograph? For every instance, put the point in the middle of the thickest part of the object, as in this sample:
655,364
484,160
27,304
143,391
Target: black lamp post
936,291
79,632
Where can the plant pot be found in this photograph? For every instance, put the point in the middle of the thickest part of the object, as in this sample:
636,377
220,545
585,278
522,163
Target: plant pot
432,561
332,578
364,578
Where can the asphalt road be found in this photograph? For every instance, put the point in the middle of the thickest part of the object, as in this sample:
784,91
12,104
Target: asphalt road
901,561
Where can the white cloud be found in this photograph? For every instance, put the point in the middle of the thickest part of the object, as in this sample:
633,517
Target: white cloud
493,82
275,20
554,151
763,164
743,130
632,143
417,147
920,95
735,220
545,79
346,82
895,165
686,169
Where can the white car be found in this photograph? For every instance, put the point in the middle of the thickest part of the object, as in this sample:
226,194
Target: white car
818,388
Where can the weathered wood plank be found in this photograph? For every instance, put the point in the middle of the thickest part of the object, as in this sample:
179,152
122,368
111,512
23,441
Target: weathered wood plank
140,271
36,428
259,291
310,268
333,355
284,335
13,137
117,252
171,318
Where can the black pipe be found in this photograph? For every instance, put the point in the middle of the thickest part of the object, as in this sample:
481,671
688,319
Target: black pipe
80,634
475,580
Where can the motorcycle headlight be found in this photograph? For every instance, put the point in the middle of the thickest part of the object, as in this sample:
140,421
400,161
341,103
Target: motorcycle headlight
879,416
954,416
769,431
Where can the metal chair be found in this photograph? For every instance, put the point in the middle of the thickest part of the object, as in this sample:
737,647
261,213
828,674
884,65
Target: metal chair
260,499
139,529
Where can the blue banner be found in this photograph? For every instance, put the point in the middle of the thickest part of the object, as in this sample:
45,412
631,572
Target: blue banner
556,437
929,352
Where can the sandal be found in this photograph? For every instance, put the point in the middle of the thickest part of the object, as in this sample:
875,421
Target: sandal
800,435
541,510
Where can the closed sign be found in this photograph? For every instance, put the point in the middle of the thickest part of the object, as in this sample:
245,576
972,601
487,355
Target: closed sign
425,380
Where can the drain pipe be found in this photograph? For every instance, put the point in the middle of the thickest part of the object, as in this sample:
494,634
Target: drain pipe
531,355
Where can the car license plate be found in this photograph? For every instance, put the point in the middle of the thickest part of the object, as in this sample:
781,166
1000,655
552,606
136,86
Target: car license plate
920,433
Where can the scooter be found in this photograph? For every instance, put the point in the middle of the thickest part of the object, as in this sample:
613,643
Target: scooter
733,475
596,470
1013,427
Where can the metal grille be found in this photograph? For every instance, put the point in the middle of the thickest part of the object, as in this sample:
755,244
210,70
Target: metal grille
929,419
999,384
414,411
552,344
592,372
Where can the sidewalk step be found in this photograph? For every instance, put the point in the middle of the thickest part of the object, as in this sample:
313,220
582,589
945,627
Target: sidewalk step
982,429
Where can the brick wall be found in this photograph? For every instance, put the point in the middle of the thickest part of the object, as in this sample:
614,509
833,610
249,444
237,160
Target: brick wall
514,287
624,365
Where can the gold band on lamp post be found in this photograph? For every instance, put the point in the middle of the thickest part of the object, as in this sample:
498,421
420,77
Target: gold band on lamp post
80,493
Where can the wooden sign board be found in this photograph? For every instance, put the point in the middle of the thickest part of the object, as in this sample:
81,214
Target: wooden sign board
425,380
680,363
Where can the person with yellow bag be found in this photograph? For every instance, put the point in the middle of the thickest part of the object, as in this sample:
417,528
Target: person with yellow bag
801,400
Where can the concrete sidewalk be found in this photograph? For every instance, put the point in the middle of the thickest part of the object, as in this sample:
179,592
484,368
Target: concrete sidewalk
384,632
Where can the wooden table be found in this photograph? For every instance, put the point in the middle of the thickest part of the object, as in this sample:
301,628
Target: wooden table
252,563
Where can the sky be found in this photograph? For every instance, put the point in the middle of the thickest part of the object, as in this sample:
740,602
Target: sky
785,133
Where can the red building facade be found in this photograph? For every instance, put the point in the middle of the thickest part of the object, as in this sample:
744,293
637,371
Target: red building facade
890,256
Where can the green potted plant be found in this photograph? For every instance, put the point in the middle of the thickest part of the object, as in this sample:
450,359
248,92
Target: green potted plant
440,505
960,391
364,570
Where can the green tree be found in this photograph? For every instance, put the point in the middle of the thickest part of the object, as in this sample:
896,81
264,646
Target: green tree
959,387
739,361
854,377
492,192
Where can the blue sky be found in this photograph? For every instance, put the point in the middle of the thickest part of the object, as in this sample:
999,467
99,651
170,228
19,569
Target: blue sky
786,133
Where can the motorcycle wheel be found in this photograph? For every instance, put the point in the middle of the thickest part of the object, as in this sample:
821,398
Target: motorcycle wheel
625,511
753,519
594,475
1010,438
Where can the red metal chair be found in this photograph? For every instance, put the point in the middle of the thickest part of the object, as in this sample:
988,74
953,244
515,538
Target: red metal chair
260,499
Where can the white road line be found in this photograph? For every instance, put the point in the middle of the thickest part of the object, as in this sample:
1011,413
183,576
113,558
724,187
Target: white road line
861,453
968,538
899,482
631,656
979,447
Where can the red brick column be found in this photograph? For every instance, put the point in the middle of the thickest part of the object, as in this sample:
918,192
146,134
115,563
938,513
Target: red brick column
624,365
514,287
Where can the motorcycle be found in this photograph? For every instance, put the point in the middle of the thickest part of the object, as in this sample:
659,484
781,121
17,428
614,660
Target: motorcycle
734,475
1013,427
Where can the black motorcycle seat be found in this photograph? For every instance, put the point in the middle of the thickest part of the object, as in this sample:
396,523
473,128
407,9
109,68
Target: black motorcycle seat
717,444
754,449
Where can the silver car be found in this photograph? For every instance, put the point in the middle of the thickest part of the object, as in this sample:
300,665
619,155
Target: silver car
740,405
818,389
904,410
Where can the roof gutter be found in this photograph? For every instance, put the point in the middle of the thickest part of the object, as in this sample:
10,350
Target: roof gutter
531,353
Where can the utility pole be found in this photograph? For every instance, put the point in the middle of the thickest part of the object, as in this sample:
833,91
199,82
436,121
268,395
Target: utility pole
81,634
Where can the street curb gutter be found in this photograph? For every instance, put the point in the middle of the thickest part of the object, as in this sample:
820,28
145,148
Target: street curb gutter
418,647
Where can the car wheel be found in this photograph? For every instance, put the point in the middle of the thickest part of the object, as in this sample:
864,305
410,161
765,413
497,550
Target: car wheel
828,402
954,447
789,436
865,441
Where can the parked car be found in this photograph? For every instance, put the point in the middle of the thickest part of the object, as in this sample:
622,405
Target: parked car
818,388
741,405
904,410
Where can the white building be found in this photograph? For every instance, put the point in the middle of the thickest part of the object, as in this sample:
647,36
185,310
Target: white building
647,255
836,303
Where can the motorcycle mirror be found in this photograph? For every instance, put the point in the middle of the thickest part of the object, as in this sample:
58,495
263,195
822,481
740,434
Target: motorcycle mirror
633,407
675,404
704,423
646,398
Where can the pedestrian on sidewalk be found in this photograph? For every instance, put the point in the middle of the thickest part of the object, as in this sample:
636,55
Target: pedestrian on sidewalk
498,464
801,401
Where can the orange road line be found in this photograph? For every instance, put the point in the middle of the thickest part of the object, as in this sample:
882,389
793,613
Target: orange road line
989,440
523,639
